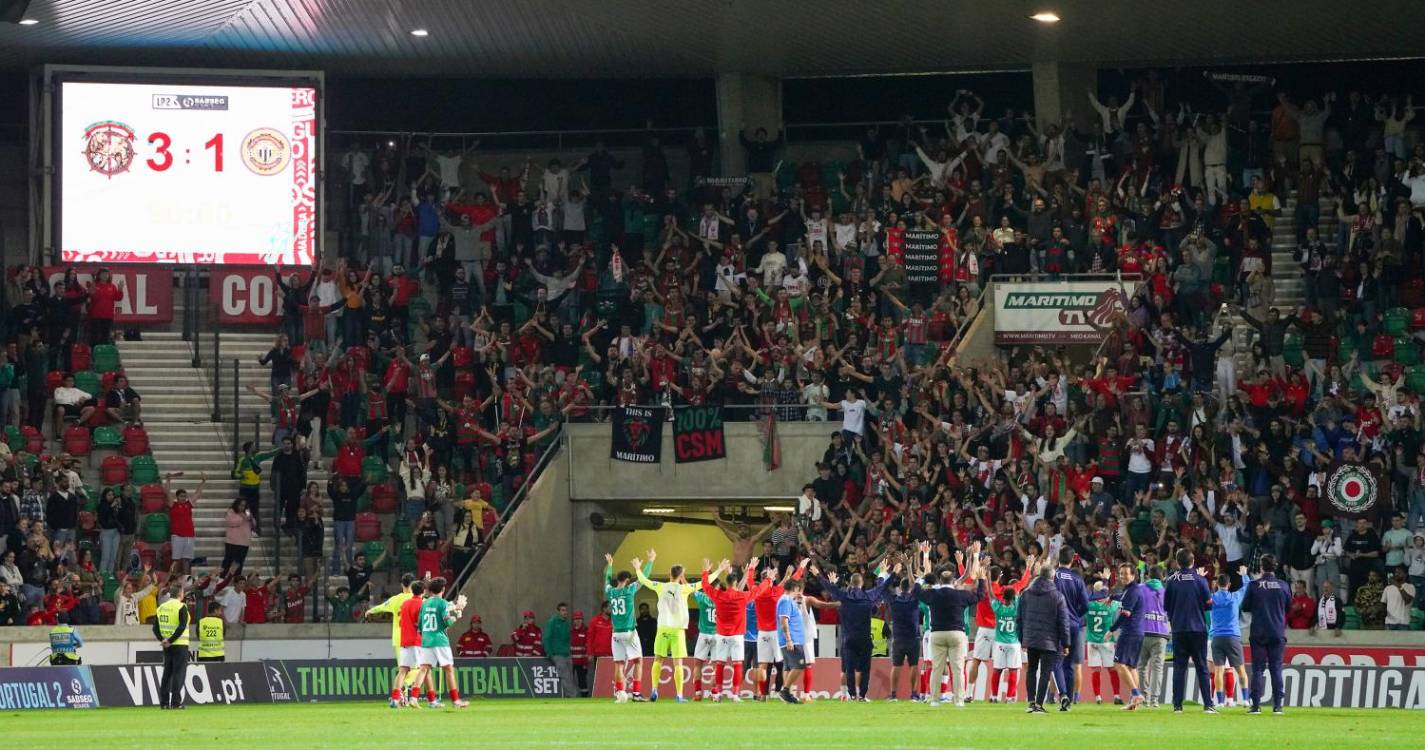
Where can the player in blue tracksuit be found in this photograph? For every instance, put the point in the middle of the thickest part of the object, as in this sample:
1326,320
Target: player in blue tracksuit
1186,597
857,604
1076,598
1267,600
1130,633
905,634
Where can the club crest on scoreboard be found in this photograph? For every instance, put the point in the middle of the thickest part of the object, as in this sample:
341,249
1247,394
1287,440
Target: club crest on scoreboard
266,151
109,147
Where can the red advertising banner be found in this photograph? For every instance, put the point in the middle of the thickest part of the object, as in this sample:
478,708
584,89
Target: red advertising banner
1354,656
247,295
825,679
148,290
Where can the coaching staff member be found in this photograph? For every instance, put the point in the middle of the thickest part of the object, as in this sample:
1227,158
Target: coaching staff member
1186,599
1267,599
170,627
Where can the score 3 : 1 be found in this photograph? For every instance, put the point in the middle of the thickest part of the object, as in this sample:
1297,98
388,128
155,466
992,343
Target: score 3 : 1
163,158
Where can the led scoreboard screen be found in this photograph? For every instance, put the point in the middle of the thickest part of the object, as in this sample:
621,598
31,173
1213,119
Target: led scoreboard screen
209,174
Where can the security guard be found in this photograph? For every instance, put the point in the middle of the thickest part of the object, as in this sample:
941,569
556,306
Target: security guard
64,643
210,634
170,627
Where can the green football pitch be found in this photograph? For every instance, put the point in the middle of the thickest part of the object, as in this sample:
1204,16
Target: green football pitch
600,723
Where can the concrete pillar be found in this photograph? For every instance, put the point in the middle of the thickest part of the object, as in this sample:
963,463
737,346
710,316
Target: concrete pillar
1060,89
745,102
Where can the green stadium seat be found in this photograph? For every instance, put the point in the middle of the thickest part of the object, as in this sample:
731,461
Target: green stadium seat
106,358
88,381
335,437
1395,321
1407,350
107,438
373,470
402,529
155,528
406,555
374,551
143,470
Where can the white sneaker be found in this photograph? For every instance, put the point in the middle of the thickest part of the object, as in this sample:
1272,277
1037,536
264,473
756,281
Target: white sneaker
462,703
735,698
934,704
959,704
620,697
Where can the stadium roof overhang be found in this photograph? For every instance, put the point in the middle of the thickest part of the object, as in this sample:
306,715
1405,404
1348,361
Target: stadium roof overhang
698,38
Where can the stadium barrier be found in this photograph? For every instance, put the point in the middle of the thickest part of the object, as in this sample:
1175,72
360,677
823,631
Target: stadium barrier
1322,682
271,681
205,683
46,687
370,679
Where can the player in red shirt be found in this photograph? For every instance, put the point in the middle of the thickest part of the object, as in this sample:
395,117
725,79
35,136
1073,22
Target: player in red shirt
475,642
730,599
409,620
765,608
985,624
528,639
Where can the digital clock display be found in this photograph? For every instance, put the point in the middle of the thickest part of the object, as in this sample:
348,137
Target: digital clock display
210,174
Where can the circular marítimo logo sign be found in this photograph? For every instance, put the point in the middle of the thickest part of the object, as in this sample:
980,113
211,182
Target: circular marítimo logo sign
266,151
1351,489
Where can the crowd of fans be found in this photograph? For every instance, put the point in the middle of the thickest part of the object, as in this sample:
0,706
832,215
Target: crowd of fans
478,305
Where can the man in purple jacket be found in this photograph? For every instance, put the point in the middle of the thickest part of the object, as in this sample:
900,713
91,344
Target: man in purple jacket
1076,599
1155,638
1130,634
1186,597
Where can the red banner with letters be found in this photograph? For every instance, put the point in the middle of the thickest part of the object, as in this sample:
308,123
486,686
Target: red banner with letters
248,295
148,290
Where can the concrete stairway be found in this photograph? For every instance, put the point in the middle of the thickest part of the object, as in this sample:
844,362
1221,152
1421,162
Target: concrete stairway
178,418
1287,275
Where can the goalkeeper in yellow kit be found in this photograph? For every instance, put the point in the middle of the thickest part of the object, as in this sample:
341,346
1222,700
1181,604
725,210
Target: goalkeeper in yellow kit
672,639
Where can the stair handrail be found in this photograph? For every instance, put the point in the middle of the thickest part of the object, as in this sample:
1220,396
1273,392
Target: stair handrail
463,575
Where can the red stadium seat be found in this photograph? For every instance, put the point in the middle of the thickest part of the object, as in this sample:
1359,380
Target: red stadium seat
53,379
34,441
79,357
114,470
151,498
1383,346
368,527
135,440
77,441
383,498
